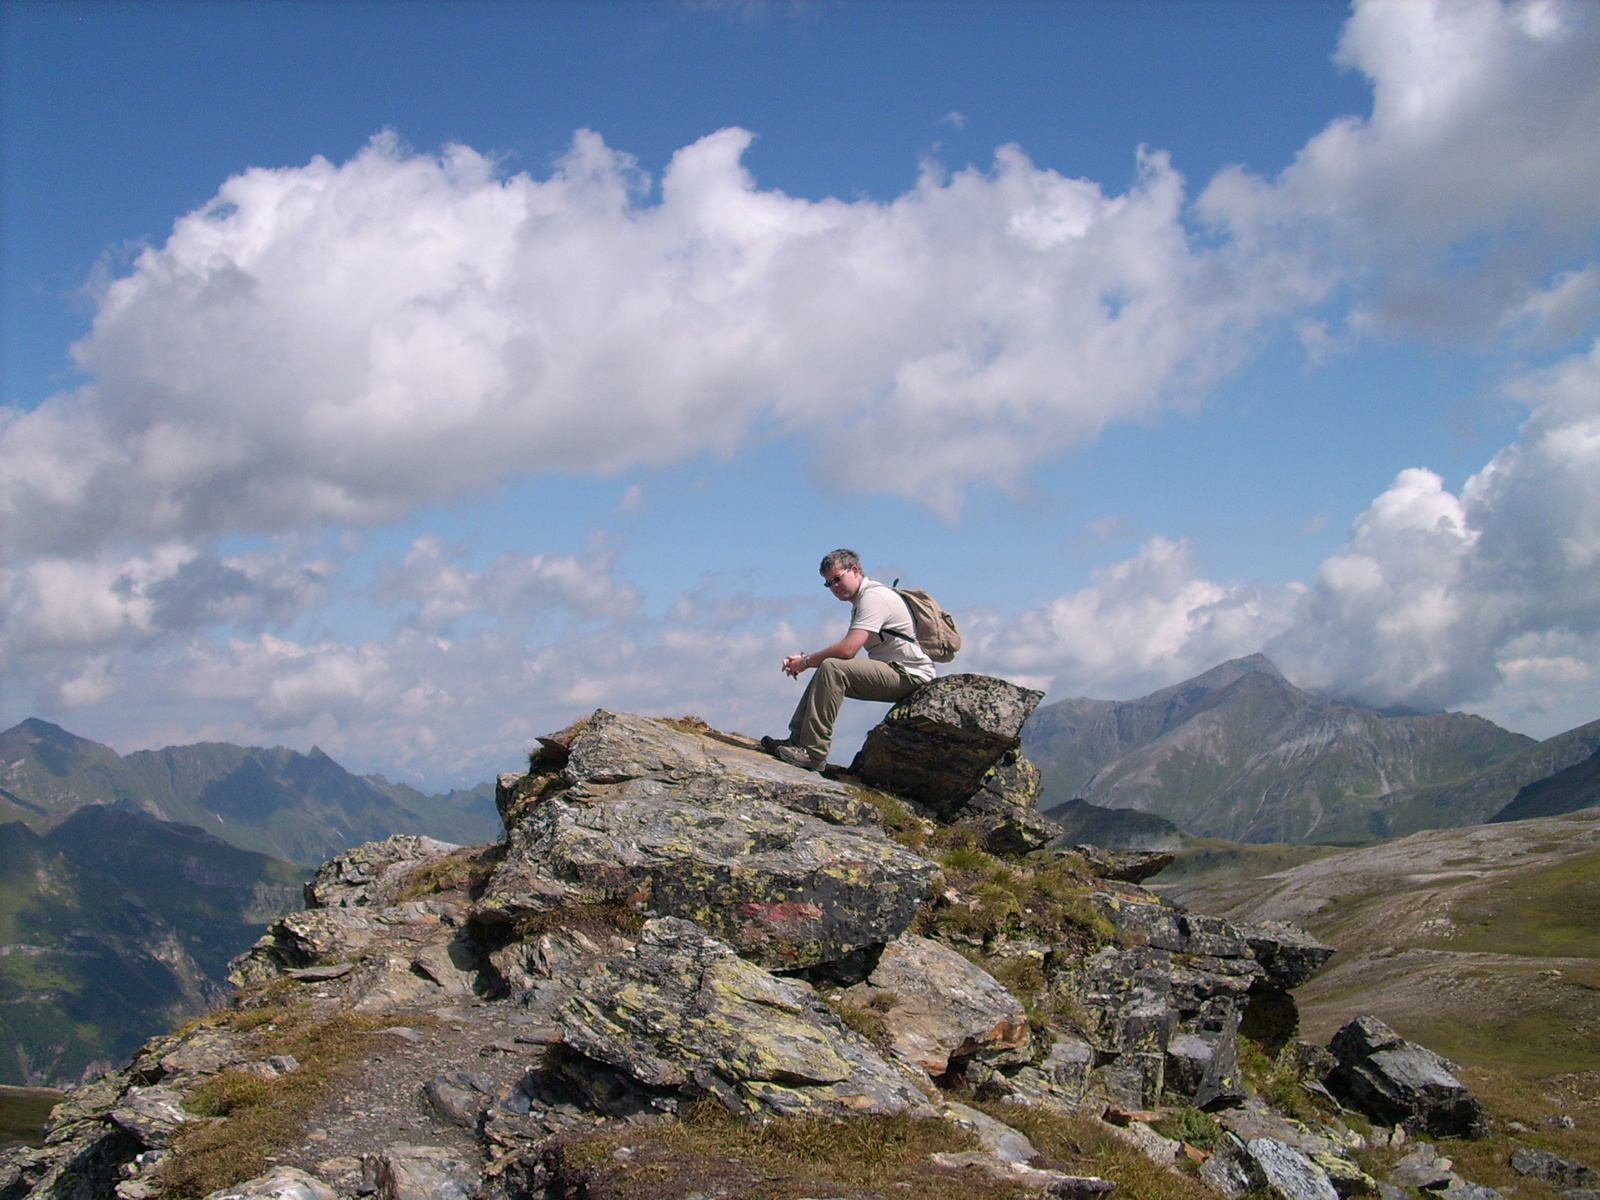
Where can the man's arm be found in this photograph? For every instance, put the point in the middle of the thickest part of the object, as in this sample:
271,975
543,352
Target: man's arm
846,647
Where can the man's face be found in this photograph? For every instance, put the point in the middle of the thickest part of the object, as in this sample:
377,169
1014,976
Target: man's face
844,584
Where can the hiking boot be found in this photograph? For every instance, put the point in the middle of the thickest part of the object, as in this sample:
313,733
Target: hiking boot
770,744
809,760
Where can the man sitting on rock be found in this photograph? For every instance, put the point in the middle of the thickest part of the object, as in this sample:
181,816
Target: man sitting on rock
894,667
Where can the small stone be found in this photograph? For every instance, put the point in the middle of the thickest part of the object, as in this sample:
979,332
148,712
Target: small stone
404,1032
319,973
1080,1187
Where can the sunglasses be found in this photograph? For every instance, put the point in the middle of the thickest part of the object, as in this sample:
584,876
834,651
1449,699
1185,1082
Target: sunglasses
829,583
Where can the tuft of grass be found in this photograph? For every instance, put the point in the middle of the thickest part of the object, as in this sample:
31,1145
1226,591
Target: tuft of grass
710,1151
595,920
1040,898
1199,1129
466,869
1080,1145
260,1116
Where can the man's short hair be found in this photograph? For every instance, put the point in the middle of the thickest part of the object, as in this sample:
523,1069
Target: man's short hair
840,560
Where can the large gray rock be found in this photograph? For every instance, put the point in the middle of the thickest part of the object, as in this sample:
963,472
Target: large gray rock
937,745
1289,1172
937,1006
680,1014
682,824
1239,1166
1396,1082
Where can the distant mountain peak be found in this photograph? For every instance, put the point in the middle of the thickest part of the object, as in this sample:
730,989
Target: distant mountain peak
1240,752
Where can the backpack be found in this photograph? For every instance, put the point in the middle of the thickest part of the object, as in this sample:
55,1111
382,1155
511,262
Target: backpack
936,629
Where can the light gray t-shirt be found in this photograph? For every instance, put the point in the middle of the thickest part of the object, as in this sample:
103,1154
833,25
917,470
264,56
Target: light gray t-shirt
876,608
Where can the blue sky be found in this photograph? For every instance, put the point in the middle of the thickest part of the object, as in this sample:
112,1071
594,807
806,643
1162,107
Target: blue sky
409,379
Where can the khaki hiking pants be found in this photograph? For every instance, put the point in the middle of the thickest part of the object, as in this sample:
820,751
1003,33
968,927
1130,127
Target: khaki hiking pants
811,727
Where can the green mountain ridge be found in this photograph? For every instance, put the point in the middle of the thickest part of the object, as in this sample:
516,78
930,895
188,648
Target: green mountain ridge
115,926
1570,790
1481,797
301,807
1240,753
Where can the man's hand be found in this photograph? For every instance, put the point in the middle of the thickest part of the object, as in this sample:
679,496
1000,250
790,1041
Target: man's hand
794,664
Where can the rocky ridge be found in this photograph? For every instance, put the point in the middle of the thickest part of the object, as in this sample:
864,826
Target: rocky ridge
676,921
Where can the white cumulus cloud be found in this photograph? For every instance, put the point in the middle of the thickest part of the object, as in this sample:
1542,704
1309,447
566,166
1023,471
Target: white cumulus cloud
1488,599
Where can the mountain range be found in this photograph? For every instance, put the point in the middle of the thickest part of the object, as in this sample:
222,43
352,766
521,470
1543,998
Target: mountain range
1240,753
115,925
300,807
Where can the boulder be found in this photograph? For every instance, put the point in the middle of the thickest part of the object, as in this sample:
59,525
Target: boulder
1421,1168
680,1014
1239,1166
937,745
937,1006
997,1139
681,824
1396,1082
1562,1174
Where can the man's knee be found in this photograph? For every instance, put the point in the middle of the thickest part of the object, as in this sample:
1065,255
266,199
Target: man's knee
833,668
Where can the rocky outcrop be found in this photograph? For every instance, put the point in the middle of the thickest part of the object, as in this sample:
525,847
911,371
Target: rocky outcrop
785,866
937,745
676,918
1397,1082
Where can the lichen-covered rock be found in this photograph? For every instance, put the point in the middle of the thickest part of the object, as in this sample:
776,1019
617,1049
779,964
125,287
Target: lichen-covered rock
1396,1082
681,1014
936,746
683,825
371,875
937,1006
